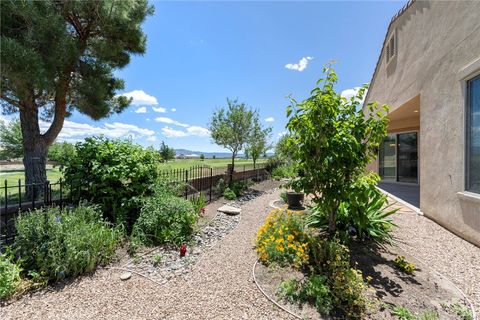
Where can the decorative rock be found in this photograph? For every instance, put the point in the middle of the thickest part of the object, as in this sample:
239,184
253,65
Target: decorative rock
125,276
229,210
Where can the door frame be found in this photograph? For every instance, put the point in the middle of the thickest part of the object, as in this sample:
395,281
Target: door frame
396,133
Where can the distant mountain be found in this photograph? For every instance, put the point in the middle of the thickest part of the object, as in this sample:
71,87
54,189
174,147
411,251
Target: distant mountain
209,154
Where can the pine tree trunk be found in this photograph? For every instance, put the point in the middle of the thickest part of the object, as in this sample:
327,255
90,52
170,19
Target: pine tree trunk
34,152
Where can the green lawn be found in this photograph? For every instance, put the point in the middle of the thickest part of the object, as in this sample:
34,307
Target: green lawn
12,176
214,163
53,174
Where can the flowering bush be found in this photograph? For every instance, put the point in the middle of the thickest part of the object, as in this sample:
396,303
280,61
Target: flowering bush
283,238
332,259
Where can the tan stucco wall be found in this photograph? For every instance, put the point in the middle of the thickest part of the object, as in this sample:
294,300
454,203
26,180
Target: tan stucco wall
436,40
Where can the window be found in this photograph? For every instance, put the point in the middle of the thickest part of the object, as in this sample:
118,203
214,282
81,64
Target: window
391,48
473,136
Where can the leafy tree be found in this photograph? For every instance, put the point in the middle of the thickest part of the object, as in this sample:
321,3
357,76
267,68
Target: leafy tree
59,56
61,152
166,152
332,141
258,141
202,157
231,127
115,174
282,149
10,139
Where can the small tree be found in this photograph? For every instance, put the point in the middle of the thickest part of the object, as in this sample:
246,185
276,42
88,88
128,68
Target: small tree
332,141
231,127
11,139
258,141
202,157
166,152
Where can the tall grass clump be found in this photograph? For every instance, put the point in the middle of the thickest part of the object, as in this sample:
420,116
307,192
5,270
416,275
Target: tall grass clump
58,243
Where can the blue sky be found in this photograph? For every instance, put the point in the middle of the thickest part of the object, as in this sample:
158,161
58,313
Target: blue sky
200,53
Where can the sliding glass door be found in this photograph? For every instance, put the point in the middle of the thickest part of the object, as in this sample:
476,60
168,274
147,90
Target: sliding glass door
398,158
407,158
388,158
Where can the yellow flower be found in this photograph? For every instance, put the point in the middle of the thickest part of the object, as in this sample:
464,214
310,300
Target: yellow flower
290,237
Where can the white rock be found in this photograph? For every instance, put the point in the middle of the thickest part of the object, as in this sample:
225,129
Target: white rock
126,275
229,210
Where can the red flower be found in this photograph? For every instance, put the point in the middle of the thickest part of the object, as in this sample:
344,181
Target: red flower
183,249
202,211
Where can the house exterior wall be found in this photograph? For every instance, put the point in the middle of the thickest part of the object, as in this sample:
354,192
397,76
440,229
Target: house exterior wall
437,49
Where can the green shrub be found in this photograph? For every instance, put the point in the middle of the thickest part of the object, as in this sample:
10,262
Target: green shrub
229,194
314,290
59,243
284,172
274,162
199,203
220,187
239,187
164,218
9,276
288,289
114,174
332,259
365,214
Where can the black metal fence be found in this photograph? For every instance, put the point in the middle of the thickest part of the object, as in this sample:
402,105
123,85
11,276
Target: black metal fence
198,180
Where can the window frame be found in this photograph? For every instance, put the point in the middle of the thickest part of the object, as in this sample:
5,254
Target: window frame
468,112
390,54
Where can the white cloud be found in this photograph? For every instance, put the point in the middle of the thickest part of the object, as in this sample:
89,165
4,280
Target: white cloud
300,66
269,119
349,93
152,138
195,131
159,109
198,131
172,133
140,98
173,109
74,131
141,110
171,121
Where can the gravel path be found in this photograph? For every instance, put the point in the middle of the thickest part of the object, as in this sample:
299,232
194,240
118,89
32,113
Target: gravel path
441,250
220,287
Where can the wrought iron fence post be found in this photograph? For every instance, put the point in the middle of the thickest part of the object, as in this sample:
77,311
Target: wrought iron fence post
6,197
211,184
61,196
20,194
186,183
45,192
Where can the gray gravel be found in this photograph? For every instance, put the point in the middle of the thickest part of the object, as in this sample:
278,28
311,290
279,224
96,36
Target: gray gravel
219,287
441,250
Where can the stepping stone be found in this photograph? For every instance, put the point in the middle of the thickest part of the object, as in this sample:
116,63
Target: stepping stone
125,276
230,210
